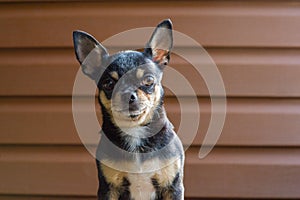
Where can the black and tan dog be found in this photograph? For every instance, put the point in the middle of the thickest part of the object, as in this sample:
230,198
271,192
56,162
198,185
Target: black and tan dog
139,155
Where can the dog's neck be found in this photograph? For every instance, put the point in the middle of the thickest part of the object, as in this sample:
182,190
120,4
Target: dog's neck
139,138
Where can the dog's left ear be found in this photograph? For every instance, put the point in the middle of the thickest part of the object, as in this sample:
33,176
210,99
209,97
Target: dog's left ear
160,44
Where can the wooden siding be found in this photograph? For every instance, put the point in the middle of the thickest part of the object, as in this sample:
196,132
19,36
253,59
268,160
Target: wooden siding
255,45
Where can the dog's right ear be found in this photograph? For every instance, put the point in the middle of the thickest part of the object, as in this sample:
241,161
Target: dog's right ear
90,53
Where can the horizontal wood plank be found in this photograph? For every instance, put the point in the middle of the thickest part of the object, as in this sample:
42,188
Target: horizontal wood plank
44,197
47,171
242,172
245,72
249,122
211,23
42,1
226,172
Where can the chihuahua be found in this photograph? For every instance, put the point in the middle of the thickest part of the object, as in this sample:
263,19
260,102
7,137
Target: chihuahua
139,156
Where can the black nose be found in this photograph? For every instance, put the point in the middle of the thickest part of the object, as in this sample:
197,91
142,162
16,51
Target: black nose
133,98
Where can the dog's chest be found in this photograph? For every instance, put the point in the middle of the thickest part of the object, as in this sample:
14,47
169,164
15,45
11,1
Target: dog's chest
141,186
141,180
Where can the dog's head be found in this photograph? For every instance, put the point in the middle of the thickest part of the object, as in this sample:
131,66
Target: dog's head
129,82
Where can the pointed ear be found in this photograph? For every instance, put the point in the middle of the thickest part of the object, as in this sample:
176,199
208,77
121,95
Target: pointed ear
90,53
161,42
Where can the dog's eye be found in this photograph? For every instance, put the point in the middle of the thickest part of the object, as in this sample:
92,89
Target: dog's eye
108,84
148,81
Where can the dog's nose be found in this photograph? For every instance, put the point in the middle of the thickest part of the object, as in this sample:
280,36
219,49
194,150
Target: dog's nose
133,98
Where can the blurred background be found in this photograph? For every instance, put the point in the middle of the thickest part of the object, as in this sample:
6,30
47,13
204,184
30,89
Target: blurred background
255,45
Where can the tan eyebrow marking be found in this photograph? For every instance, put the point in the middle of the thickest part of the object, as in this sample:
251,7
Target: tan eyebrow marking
115,75
140,73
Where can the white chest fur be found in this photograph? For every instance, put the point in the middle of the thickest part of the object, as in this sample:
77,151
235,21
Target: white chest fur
141,187
136,133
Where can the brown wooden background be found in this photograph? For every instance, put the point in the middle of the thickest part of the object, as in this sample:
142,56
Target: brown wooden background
256,45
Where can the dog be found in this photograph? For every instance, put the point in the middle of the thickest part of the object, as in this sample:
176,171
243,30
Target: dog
139,156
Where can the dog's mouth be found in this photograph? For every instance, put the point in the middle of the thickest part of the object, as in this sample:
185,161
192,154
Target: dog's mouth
131,115
134,115
126,117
